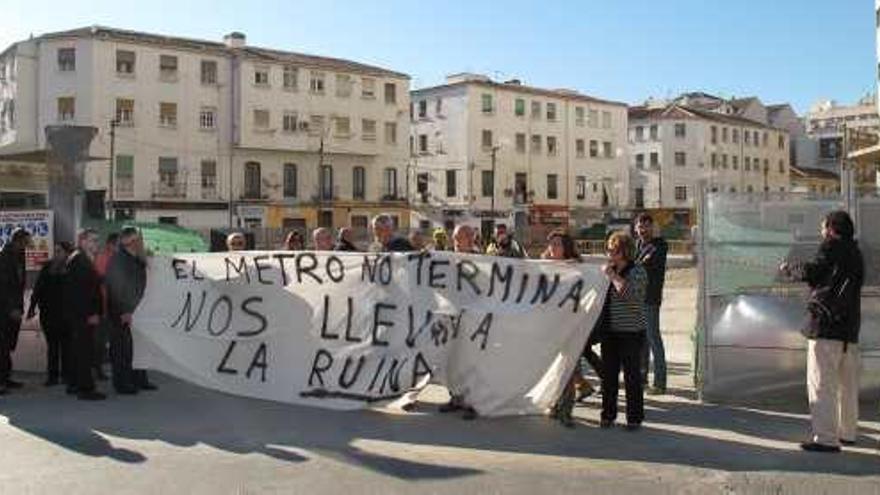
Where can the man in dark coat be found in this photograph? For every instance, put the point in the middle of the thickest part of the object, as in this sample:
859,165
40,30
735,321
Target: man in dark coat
345,241
12,280
82,313
835,277
47,296
384,239
126,281
651,253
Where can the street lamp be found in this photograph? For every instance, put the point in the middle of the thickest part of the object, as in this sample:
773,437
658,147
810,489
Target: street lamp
494,155
110,208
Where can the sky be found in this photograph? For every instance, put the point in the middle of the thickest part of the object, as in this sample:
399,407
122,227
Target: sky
796,51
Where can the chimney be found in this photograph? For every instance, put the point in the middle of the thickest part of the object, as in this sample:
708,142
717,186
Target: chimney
235,39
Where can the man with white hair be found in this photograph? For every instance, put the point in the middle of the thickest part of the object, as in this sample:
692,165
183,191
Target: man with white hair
463,239
322,240
384,238
236,242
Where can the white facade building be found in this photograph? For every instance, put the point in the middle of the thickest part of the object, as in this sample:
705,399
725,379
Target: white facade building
204,126
559,156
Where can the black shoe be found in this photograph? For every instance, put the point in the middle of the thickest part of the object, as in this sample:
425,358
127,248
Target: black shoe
91,396
633,426
409,407
51,382
818,447
470,414
847,443
449,407
148,386
13,384
127,390
606,423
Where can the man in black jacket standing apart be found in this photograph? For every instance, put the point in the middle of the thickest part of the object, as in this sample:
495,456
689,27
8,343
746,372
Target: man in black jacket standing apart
82,312
12,280
126,281
835,277
651,253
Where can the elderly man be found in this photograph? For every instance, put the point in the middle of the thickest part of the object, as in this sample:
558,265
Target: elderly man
236,242
322,240
463,240
12,280
345,240
384,238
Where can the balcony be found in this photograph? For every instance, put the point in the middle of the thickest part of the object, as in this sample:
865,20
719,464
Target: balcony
392,196
124,188
169,190
326,193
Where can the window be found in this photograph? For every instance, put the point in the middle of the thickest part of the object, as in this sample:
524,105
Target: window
289,122
747,164
747,138
756,138
766,165
290,186
681,193
520,142
423,109
724,134
252,180
316,125
316,82
368,88
655,160
606,120
342,126
125,62
536,109
488,183
714,161
580,185
640,161
734,134
261,119
208,118
594,148
580,148
552,186
125,111
290,78
606,149
359,183
167,67
655,133
325,182
66,59
390,133
422,185
390,93
519,107
536,144
640,133
423,143
680,158
680,130
450,183
261,76
593,118
781,167
486,140
724,161
343,85
579,116
551,145
640,197
734,162
368,129
438,107
124,168
66,109
486,103
209,72
766,139
551,112
781,142
168,114
714,136
209,179
168,172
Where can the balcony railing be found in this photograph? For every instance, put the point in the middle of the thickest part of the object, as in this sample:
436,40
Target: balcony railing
166,190
124,188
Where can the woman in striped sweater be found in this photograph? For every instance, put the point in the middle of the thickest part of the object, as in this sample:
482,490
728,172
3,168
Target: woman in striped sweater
623,331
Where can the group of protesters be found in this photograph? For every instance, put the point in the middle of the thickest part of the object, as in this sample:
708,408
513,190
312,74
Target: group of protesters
84,297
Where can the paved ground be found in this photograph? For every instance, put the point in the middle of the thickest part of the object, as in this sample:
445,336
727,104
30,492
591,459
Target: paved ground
184,439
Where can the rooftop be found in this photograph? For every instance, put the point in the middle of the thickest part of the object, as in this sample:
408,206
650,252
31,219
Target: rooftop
676,111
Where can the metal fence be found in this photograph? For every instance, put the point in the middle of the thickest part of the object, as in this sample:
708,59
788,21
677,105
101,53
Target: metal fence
748,341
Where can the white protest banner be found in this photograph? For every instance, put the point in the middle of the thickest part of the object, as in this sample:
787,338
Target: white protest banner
39,224
354,330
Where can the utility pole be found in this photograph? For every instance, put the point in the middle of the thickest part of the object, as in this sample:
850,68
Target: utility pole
492,207
111,211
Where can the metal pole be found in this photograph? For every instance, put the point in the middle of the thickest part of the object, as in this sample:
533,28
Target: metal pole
111,213
492,209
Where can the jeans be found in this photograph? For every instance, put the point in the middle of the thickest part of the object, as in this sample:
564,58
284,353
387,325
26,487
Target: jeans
654,346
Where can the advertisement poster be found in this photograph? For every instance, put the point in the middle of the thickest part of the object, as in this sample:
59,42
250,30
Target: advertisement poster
39,224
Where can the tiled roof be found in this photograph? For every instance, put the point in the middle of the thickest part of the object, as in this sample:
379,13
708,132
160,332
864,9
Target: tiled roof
640,113
550,93
221,48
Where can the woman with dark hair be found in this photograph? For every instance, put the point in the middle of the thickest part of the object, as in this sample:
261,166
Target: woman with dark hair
294,241
47,297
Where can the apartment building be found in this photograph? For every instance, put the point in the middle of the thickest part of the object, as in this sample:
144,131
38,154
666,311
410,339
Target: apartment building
676,145
212,133
487,151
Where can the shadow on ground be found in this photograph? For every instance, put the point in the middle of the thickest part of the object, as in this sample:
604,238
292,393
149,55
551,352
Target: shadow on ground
677,432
